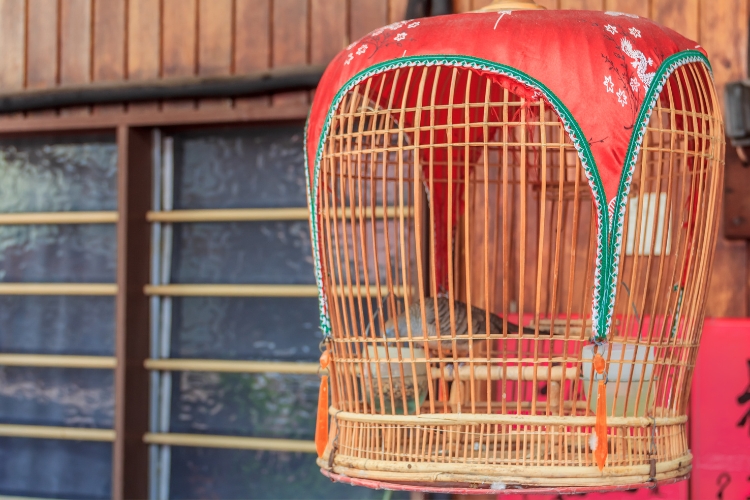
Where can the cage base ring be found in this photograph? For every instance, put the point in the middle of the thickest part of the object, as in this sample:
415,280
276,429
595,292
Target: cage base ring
471,489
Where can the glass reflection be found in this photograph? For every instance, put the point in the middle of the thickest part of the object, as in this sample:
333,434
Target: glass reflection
58,173
57,324
83,253
272,405
55,469
57,396
257,328
231,474
243,252
240,168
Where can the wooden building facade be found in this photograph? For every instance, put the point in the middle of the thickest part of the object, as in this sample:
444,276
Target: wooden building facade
57,43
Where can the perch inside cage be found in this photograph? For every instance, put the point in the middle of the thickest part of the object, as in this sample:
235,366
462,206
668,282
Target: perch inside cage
513,217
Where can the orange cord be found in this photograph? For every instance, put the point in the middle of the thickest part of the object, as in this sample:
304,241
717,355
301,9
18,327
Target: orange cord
601,414
321,423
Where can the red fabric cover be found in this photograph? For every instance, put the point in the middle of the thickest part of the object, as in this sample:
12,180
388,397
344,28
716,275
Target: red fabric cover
597,63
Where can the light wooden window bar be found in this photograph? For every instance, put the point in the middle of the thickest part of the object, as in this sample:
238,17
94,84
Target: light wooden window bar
233,442
58,289
103,217
58,361
231,366
51,432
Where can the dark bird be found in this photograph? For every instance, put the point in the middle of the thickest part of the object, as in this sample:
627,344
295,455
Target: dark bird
443,319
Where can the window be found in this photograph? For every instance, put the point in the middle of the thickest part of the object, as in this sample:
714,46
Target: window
58,249
235,319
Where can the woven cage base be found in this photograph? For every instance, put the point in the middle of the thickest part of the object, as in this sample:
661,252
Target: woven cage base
524,451
485,489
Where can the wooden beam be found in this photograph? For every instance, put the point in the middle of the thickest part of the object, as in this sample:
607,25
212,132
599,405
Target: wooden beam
48,432
232,442
57,361
58,289
130,459
155,118
58,218
231,366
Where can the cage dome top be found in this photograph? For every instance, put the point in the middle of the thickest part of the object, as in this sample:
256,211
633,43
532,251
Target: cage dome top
602,72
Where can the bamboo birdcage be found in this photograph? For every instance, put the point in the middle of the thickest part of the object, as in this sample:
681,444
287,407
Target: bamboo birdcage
436,183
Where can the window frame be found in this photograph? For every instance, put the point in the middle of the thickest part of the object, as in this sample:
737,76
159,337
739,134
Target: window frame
134,290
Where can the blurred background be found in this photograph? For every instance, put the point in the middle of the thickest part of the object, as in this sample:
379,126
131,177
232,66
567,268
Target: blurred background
158,310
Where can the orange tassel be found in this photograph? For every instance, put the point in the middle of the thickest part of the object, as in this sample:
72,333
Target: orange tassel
601,415
321,423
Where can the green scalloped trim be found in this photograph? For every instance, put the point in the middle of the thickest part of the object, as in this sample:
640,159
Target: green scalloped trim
608,249
614,247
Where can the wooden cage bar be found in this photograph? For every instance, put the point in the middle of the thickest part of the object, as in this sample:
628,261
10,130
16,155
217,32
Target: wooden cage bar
481,367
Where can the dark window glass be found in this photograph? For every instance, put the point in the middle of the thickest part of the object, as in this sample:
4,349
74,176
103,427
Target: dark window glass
57,396
57,324
58,173
232,474
272,405
84,253
240,168
258,328
243,252
55,469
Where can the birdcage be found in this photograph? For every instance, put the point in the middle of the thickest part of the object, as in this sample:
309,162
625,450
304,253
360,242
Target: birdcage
513,216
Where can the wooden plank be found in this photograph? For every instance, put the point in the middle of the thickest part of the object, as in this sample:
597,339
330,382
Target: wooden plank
165,118
109,46
41,47
582,4
289,43
252,43
366,16
478,4
680,16
179,43
214,43
460,6
723,36
13,48
75,47
130,454
637,7
396,10
550,4
144,45
12,44
328,30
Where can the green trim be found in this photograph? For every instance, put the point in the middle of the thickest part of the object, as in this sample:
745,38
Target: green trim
614,245
609,241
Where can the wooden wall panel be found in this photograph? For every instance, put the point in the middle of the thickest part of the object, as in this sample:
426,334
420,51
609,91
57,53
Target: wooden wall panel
680,15
328,30
144,45
215,45
366,16
723,30
109,46
75,47
41,47
12,44
582,4
637,7
397,10
550,4
290,43
252,46
179,42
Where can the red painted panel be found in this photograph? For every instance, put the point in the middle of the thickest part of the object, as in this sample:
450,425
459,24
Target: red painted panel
721,412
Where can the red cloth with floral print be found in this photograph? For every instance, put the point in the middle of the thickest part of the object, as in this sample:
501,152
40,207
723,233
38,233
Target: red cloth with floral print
595,69
598,64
